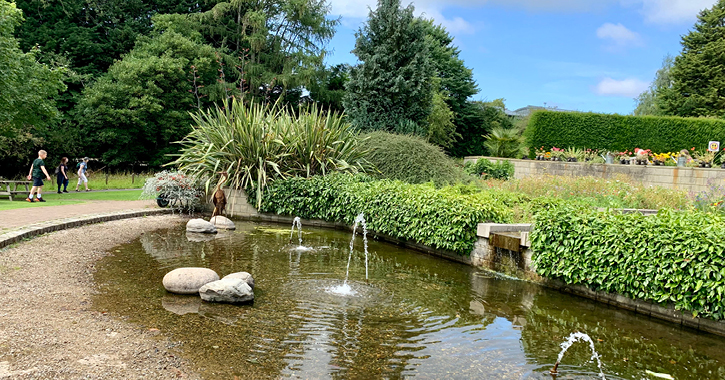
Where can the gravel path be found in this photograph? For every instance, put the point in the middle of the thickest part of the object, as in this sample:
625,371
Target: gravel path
47,327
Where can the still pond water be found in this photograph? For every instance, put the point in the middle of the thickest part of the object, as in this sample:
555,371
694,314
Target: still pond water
418,316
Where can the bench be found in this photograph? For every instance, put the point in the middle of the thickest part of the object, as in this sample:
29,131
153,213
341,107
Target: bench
10,188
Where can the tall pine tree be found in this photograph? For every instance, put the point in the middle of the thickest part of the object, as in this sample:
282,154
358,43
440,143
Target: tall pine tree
698,74
391,89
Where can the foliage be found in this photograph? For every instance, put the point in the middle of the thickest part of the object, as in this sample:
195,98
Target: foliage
619,133
452,78
441,130
441,218
712,199
328,90
276,47
486,169
647,102
410,159
183,192
259,143
618,192
697,79
504,142
27,108
473,123
673,257
392,84
142,104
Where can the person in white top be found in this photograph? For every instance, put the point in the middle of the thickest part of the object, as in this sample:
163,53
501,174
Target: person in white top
82,168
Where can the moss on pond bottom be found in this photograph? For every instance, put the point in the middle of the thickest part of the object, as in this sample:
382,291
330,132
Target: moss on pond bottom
418,316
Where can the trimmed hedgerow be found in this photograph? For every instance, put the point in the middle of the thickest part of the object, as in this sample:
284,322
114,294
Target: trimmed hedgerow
441,218
674,257
619,133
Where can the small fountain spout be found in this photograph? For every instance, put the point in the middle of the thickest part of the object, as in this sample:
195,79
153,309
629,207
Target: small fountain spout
297,222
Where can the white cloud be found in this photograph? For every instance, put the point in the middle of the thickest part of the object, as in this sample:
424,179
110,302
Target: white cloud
619,36
430,8
669,11
630,87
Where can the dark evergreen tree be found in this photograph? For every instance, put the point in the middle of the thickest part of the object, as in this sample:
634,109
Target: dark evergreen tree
476,121
328,90
391,88
698,75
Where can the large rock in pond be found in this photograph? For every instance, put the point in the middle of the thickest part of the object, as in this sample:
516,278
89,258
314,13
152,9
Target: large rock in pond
188,280
200,226
222,223
242,276
229,290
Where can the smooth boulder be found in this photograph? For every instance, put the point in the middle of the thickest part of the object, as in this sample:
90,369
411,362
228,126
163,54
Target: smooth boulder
229,290
188,280
222,223
200,226
242,276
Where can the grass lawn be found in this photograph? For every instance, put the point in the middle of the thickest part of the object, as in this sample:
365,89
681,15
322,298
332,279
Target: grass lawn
55,199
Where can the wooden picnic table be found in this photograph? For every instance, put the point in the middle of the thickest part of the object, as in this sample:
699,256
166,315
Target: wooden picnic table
10,188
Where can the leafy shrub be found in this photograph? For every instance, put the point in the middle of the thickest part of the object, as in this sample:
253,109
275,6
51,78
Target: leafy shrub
620,133
410,159
488,169
441,218
673,257
260,143
505,142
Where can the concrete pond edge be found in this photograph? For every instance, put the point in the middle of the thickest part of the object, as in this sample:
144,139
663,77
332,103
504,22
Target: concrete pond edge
19,234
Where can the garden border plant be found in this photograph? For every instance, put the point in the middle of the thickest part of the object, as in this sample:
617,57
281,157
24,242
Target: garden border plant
673,257
440,218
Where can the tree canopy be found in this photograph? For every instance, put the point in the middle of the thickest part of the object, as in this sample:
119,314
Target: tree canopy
391,88
27,105
698,74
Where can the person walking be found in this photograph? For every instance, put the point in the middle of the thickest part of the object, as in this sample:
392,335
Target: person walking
82,169
37,169
62,173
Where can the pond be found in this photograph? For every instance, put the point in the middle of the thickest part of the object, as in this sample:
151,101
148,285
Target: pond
418,316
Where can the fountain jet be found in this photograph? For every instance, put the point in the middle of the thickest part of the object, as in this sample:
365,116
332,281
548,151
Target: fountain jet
573,338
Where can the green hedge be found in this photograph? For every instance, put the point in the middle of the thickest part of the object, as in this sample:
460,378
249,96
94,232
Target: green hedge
673,257
619,133
441,218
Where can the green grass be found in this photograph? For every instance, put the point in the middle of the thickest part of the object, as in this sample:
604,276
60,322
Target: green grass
97,181
55,199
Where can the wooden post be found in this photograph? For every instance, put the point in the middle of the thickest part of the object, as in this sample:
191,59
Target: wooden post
106,176
133,177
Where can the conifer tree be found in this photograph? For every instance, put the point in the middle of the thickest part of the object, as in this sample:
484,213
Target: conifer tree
391,88
698,74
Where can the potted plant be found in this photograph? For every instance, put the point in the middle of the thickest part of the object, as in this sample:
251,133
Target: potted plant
642,156
623,157
540,154
705,159
573,154
557,154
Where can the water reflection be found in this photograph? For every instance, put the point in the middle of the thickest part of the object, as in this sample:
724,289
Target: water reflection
419,316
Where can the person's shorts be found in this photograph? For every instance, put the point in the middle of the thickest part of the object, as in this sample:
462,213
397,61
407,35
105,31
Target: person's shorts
37,181
82,179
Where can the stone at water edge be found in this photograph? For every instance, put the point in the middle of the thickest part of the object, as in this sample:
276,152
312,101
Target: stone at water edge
201,226
222,223
242,276
229,290
188,280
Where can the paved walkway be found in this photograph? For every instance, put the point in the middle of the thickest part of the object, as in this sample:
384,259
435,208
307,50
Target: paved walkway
10,219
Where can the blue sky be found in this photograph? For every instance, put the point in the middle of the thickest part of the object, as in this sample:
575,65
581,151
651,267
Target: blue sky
586,55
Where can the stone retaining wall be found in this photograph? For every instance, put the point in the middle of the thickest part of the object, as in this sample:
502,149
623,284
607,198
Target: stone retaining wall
669,177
